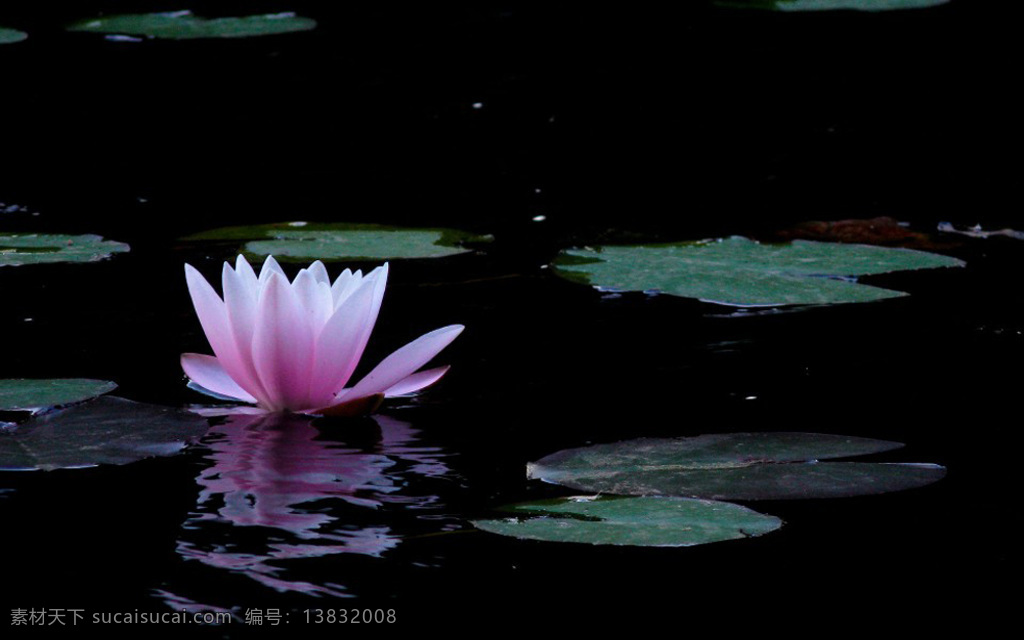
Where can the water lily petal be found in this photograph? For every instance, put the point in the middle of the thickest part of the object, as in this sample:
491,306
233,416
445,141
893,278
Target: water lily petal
379,279
241,295
246,276
315,298
213,317
283,346
340,348
270,266
404,362
207,372
341,343
415,382
226,410
345,285
319,272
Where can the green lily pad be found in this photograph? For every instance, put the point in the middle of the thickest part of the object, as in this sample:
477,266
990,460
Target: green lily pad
10,36
300,241
183,25
645,522
107,430
743,273
738,466
830,5
32,395
787,481
34,248
710,451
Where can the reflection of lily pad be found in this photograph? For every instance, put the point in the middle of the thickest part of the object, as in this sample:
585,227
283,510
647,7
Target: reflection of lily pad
31,395
738,466
648,522
830,5
300,241
10,36
740,272
105,431
183,25
35,248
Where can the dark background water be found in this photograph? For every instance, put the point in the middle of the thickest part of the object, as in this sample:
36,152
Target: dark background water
612,123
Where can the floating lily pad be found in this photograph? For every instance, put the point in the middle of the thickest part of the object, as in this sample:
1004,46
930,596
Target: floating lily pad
32,395
105,431
183,25
10,36
710,451
300,241
35,248
883,230
786,481
830,5
744,273
738,466
647,521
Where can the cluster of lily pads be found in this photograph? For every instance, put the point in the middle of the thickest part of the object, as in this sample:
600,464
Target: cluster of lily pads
729,271
70,425
671,491
184,25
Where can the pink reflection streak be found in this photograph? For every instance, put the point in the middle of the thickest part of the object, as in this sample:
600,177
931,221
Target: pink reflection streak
267,467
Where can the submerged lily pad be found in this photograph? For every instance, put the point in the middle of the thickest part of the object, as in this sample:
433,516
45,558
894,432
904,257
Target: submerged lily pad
105,431
10,36
743,273
32,395
301,241
830,5
737,466
183,25
647,521
35,248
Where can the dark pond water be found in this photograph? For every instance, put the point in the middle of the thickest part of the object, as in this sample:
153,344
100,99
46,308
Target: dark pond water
547,128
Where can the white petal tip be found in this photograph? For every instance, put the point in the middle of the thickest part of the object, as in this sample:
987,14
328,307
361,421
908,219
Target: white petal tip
453,329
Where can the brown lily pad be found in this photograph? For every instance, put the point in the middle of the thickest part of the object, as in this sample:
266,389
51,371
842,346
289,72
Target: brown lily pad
884,231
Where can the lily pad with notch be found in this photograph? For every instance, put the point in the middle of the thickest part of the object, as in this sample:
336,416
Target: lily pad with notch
17,249
740,272
37,394
635,521
830,5
301,241
184,25
736,466
107,430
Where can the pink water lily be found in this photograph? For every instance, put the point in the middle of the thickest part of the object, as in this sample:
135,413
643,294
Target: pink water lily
292,346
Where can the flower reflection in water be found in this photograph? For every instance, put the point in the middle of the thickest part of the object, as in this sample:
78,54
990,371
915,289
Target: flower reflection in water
300,493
